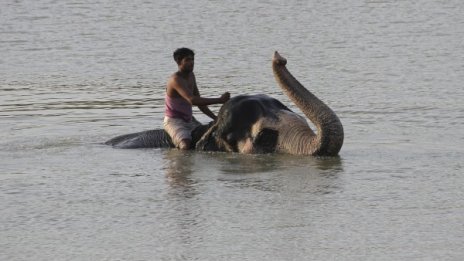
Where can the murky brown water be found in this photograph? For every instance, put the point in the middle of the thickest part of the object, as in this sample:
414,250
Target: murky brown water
76,73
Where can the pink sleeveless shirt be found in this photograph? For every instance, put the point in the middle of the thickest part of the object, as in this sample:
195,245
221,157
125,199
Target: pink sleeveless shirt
178,108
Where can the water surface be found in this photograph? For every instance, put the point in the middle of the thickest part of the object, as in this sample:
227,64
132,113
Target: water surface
76,73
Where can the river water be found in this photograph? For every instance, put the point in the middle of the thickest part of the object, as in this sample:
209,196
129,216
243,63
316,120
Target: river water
75,73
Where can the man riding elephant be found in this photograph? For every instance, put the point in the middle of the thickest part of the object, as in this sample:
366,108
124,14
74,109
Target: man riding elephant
181,93
249,123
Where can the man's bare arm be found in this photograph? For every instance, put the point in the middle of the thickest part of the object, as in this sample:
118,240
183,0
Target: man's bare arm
203,108
193,99
208,112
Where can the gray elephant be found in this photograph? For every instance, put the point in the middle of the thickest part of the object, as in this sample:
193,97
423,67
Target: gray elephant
259,124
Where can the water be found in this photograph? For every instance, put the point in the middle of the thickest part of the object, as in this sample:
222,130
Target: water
76,73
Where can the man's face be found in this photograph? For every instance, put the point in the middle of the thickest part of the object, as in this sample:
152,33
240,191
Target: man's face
186,64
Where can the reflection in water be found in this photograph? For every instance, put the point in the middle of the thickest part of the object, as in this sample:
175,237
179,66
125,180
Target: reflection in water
277,172
248,164
234,163
183,205
264,172
329,163
178,167
205,189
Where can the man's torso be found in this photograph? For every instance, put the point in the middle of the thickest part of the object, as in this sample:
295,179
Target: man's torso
175,105
187,83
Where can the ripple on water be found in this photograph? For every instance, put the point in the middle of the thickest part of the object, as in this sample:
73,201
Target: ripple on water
391,70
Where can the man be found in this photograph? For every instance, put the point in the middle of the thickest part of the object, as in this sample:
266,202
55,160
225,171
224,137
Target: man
181,93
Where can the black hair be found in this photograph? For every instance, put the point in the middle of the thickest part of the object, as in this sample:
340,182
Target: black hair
180,53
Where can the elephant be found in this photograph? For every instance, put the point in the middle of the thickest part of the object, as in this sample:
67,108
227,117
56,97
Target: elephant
259,124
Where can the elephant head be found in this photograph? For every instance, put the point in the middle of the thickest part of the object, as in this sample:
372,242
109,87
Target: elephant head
261,124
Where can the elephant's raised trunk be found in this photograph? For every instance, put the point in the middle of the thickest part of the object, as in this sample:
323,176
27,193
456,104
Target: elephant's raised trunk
329,137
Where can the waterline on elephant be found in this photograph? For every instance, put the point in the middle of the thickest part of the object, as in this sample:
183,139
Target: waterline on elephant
260,124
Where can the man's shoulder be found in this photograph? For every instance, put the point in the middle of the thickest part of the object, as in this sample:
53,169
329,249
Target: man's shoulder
175,77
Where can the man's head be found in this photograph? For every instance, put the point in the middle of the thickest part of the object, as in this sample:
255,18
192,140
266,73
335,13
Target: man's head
184,58
181,53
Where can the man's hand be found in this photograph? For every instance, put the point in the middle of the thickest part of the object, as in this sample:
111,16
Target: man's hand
225,97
